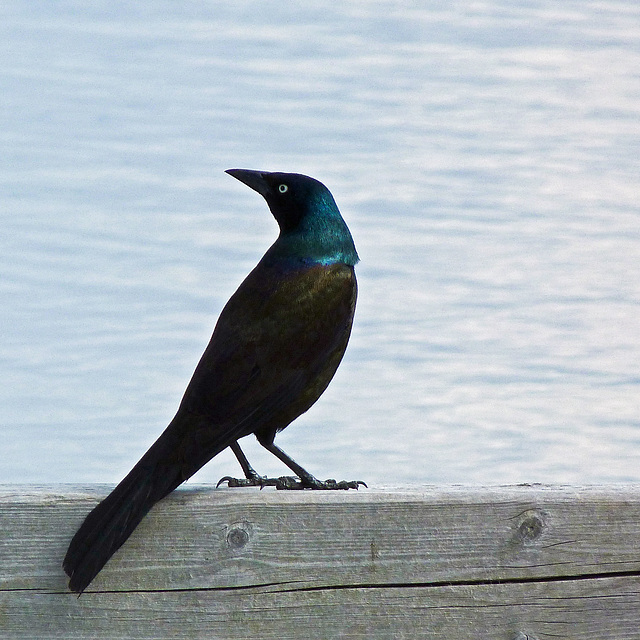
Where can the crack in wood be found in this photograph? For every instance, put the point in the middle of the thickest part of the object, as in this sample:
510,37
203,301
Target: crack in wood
268,586
635,573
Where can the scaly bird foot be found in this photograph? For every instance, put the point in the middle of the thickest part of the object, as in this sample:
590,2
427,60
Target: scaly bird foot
254,481
291,483
287,482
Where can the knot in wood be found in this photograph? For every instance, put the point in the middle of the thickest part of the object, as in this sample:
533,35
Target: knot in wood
531,526
238,535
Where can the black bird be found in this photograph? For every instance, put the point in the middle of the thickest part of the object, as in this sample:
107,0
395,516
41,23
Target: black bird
274,350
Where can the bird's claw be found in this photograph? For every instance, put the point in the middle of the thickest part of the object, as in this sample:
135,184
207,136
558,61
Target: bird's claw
332,484
256,481
291,483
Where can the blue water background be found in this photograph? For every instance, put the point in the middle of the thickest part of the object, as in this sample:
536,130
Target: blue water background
486,156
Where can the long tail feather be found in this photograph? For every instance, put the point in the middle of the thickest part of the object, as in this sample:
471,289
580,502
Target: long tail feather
109,525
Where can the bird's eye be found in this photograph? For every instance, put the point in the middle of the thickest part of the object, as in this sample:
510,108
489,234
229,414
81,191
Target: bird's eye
283,188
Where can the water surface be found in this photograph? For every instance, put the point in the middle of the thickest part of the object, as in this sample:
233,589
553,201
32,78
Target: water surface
485,155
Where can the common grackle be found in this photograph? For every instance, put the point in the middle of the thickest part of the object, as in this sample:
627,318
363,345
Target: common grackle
274,350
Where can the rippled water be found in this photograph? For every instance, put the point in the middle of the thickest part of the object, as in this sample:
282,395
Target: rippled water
485,155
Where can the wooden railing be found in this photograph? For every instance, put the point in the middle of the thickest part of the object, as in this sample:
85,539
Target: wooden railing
500,563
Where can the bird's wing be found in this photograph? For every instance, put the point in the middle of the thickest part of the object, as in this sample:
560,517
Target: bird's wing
275,348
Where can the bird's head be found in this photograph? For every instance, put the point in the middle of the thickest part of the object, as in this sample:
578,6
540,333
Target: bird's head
311,226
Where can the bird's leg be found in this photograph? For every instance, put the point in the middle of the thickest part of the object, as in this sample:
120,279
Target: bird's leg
306,480
251,476
249,472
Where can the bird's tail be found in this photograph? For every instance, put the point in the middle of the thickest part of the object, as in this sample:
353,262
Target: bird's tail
109,525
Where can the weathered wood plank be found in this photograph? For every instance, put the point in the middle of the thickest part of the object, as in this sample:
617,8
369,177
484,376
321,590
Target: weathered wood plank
440,563
501,612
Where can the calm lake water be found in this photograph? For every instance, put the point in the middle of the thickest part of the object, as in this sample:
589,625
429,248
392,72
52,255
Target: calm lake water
486,156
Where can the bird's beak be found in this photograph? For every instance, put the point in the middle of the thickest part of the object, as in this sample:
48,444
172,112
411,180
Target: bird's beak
253,179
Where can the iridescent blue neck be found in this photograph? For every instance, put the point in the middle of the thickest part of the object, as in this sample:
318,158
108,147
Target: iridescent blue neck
322,236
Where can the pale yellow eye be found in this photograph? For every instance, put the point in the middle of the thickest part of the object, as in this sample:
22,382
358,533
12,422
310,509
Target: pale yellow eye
283,188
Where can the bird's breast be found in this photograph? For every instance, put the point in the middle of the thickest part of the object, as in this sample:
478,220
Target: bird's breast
276,346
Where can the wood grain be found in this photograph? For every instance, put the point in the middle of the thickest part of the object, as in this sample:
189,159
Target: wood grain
455,562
